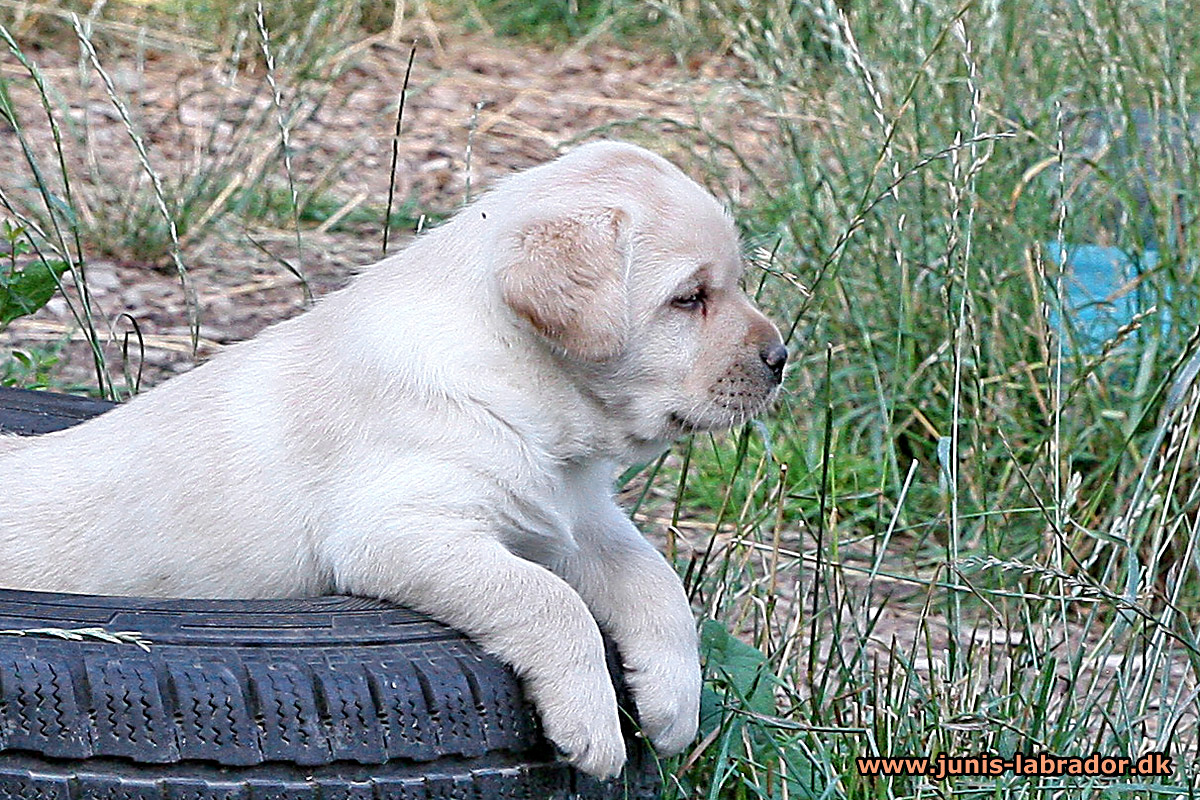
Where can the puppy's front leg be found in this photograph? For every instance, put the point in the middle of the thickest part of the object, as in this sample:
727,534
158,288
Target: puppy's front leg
638,599
515,609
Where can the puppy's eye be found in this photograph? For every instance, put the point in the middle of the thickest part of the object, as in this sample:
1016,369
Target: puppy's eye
692,301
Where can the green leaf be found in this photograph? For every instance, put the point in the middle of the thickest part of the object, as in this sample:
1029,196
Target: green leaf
12,232
26,291
711,711
743,669
739,679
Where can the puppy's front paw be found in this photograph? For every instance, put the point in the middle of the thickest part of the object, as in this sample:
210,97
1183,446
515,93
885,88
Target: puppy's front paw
667,693
583,723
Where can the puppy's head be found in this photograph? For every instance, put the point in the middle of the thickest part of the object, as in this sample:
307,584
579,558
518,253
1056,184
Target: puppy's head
630,272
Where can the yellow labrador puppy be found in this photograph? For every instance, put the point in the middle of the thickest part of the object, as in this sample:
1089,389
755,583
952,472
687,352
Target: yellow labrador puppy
443,433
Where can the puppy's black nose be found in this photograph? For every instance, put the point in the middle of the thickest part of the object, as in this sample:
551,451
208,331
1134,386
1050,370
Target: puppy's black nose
775,355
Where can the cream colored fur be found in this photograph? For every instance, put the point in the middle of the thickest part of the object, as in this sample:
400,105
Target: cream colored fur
443,433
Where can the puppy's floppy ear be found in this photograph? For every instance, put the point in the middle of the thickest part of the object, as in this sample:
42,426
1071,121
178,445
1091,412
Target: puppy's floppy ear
568,279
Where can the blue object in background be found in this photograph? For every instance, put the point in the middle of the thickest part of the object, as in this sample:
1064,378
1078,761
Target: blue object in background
1101,293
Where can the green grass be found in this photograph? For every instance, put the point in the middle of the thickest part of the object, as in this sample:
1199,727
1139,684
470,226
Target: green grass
558,21
948,460
958,533
272,205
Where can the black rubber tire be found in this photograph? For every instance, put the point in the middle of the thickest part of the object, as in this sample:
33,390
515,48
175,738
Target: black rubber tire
321,698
